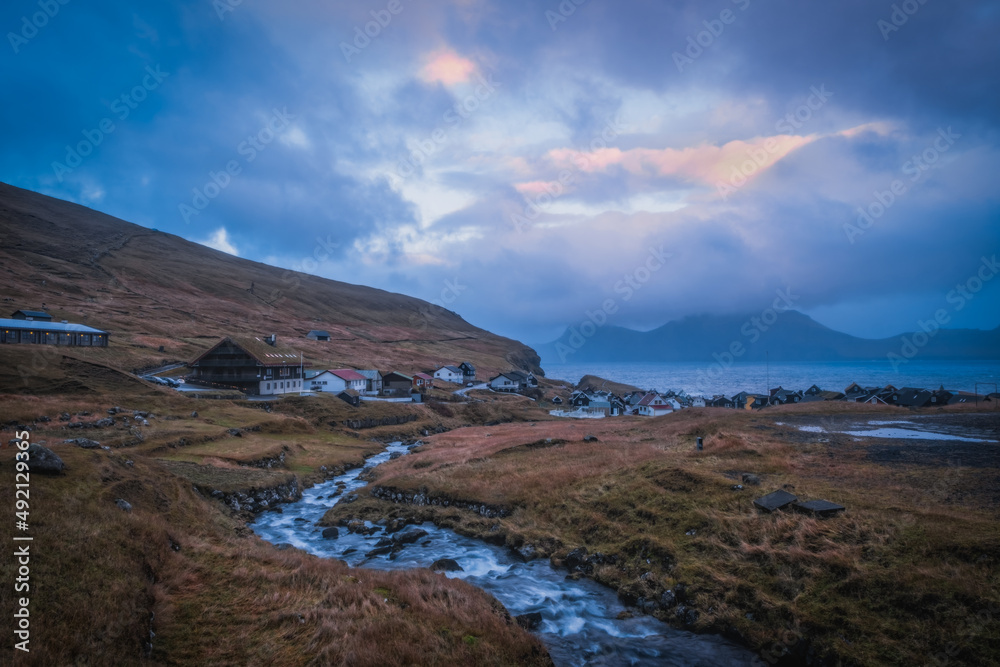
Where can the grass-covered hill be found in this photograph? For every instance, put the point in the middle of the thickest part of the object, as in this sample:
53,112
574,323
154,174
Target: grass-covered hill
151,289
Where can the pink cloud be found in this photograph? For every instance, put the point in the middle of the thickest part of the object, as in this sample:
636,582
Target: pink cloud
706,163
533,188
447,67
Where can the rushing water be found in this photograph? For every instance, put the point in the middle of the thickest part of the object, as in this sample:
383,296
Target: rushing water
579,625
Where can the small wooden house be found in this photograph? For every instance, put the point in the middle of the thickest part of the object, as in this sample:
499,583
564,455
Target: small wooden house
423,381
396,384
350,396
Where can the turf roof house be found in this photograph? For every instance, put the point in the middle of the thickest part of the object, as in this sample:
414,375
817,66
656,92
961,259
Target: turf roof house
396,384
255,366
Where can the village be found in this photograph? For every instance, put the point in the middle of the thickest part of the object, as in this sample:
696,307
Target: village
591,402
260,367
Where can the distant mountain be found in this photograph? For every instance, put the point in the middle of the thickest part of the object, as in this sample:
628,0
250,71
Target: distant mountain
792,336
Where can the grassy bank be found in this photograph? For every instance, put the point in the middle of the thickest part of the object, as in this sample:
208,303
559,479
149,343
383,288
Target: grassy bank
908,575
179,579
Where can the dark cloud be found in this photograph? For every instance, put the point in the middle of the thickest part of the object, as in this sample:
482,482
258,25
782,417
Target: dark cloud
326,192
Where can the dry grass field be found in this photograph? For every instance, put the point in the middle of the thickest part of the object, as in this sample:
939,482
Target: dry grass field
908,574
182,565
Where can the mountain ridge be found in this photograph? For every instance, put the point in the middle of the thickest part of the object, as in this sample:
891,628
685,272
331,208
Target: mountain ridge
788,336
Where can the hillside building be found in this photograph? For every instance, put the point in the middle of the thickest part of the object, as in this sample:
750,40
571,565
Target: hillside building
254,366
41,332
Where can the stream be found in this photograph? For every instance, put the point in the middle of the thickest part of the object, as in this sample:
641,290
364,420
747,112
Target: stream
579,618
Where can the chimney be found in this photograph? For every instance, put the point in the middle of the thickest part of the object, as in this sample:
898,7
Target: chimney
271,340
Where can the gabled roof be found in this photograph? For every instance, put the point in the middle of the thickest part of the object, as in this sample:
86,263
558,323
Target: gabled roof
466,364
263,353
423,376
348,374
318,332
909,397
397,374
648,398
516,376
37,314
453,369
371,374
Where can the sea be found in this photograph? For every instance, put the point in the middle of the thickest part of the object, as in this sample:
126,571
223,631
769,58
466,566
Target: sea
710,379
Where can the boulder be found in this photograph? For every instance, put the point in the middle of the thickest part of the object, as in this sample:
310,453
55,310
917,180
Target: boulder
529,621
527,552
393,525
668,599
410,536
107,422
750,479
647,606
686,615
446,565
86,443
124,504
43,460
576,559
590,438
379,551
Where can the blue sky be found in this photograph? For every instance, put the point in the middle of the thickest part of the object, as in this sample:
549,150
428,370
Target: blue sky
524,162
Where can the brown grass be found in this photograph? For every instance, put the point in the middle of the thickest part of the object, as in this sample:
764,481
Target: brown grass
891,582
102,577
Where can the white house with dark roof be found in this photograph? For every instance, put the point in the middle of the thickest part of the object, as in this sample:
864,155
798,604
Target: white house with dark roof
513,381
450,374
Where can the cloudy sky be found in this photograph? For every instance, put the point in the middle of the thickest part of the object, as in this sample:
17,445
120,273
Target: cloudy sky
526,162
